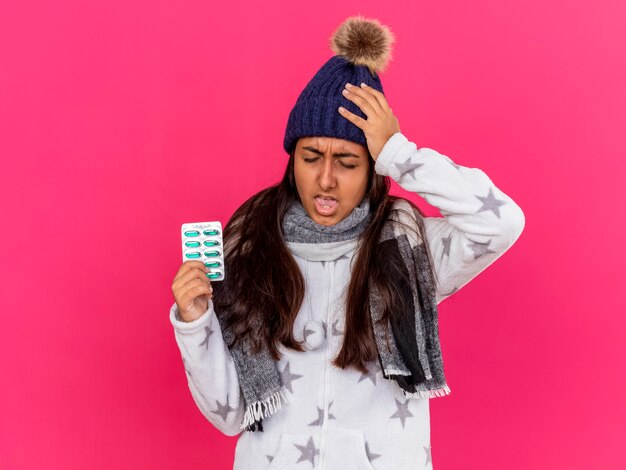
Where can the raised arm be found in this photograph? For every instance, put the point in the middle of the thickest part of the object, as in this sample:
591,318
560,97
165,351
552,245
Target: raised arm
479,222
210,369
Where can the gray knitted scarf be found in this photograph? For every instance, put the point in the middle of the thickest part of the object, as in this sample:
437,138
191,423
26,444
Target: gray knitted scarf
411,356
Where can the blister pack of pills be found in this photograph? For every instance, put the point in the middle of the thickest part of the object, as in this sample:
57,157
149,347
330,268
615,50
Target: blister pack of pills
202,241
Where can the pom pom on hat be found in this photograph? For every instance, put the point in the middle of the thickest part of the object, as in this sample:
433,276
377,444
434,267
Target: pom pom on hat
362,49
363,41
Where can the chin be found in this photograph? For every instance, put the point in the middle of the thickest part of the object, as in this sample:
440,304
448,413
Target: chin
321,219
326,221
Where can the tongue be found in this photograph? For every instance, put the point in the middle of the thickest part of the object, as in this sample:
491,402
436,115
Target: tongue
326,202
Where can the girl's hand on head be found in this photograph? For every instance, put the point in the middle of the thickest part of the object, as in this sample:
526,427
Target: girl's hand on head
380,124
192,290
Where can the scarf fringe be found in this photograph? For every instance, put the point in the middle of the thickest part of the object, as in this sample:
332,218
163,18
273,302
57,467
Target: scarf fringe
388,372
263,408
437,392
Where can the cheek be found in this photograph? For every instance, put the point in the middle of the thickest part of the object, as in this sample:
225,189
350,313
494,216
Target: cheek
301,176
358,183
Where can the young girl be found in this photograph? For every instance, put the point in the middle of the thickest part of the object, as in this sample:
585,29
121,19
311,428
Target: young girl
322,342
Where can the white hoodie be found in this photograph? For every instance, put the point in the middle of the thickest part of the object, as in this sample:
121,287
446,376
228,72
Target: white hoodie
338,419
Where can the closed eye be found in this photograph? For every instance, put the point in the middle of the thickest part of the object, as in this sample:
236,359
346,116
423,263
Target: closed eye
345,165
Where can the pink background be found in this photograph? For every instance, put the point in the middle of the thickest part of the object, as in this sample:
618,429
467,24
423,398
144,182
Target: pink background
121,120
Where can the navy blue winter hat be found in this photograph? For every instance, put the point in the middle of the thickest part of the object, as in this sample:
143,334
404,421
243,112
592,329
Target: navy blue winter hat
363,50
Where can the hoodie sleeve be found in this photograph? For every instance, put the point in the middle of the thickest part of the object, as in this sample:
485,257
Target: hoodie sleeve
479,221
210,369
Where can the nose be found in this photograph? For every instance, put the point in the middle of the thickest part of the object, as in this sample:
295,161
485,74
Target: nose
327,177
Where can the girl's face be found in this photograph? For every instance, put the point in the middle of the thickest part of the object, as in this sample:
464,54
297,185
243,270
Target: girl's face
331,177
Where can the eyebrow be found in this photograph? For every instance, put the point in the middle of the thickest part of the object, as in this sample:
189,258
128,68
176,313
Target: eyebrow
342,154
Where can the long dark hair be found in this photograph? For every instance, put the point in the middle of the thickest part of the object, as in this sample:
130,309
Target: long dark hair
265,286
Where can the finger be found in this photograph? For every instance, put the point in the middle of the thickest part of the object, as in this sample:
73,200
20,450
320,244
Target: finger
353,118
193,290
194,283
186,266
183,282
363,100
191,275
381,99
188,277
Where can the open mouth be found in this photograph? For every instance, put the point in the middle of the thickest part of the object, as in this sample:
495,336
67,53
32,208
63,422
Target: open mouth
326,205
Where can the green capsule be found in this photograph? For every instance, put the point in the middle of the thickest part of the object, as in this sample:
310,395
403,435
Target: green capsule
214,275
192,244
193,255
213,264
211,253
211,232
211,242
192,233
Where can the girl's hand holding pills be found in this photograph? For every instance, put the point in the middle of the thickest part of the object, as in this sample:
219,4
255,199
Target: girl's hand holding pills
380,124
192,290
